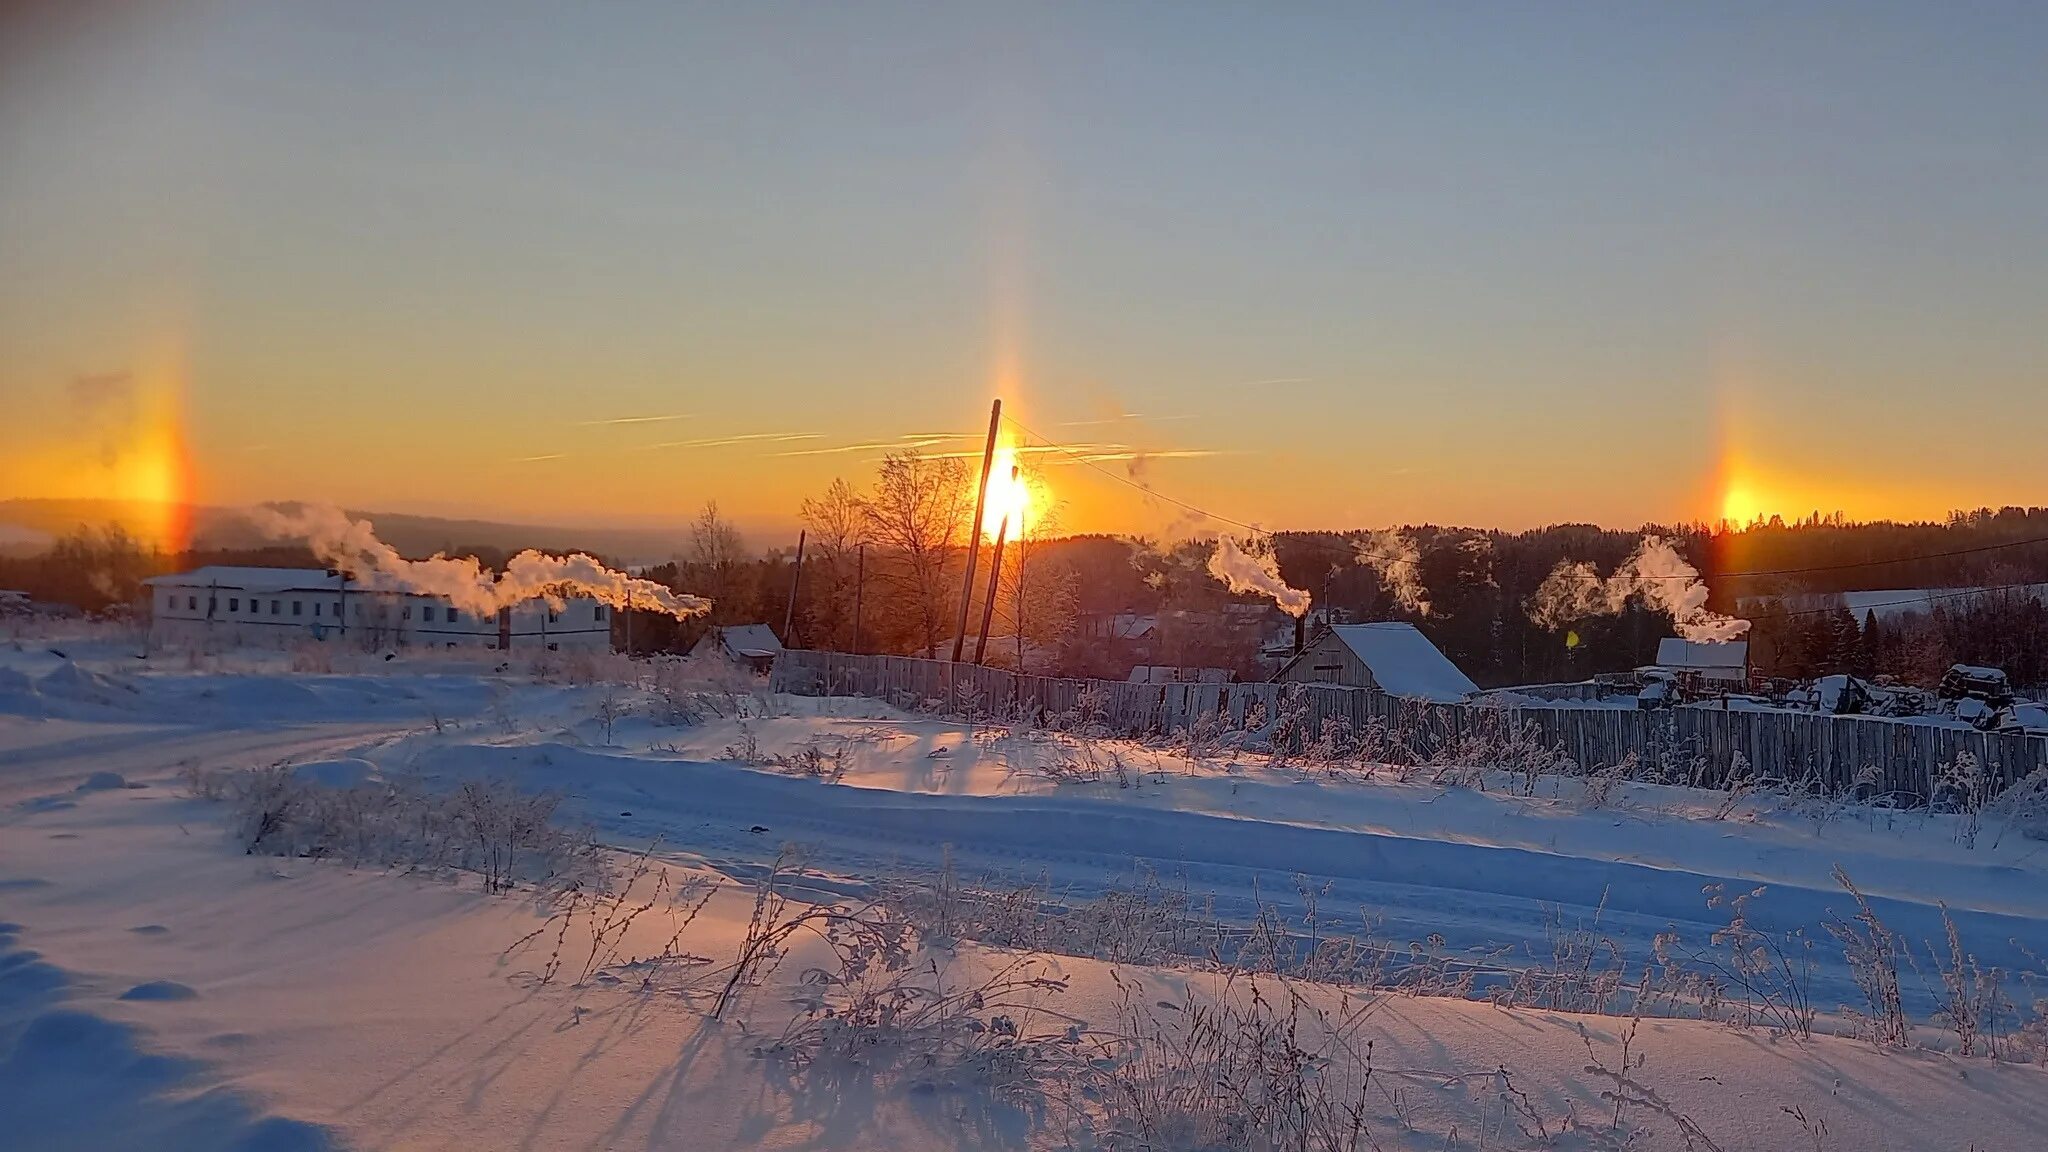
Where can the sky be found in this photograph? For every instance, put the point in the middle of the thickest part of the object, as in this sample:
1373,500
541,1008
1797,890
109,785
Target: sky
1298,265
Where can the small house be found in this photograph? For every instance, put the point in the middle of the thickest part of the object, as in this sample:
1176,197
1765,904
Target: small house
1713,663
751,646
1388,656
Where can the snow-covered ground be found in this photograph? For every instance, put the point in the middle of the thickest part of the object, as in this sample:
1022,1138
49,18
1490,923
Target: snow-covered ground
160,988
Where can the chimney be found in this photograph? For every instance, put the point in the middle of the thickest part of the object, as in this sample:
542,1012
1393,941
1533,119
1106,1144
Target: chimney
1300,633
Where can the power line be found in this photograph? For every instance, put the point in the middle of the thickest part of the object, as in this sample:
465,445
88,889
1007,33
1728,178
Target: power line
1926,598
1146,489
1881,563
1853,564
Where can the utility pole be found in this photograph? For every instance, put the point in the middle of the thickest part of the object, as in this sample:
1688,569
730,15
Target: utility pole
860,587
995,574
796,580
988,459
1021,553
629,621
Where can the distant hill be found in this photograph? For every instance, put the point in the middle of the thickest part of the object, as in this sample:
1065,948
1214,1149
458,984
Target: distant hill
27,525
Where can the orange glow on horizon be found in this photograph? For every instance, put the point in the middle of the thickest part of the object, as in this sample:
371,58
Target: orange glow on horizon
120,437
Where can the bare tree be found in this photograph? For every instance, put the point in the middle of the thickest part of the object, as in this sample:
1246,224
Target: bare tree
918,521
1036,602
838,523
717,553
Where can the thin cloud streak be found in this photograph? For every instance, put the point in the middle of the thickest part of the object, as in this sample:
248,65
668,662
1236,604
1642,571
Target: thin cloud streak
745,438
538,459
1128,416
635,420
906,443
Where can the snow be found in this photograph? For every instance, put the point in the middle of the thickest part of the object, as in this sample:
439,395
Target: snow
251,579
1679,655
1404,662
158,988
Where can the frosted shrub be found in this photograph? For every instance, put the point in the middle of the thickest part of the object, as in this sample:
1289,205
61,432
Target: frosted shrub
694,689
1971,1000
1601,782
1243,1068
813,760
746,750
1739,783
1772,974
1963,786
487,827
1872,951
2022,808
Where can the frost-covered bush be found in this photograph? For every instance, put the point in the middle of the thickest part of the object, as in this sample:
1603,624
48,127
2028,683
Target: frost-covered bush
486,827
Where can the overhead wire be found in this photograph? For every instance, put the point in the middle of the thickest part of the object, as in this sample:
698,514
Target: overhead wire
1145,488
1148,490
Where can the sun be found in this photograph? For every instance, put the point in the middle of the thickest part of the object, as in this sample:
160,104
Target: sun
1009,496
1741,504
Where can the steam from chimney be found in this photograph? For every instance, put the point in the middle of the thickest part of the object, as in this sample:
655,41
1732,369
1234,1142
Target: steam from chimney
352,545
1654,573
1241,572
1393,554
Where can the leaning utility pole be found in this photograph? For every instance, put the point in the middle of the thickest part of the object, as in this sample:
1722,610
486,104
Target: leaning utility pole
796,580
995,573
1022,553
988,459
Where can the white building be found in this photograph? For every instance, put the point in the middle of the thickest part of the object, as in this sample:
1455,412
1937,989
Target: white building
274,607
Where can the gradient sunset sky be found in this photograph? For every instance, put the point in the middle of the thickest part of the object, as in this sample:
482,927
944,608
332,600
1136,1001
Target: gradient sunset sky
1307,266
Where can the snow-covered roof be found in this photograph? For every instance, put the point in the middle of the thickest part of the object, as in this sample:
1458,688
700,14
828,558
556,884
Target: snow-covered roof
250,579
1687,655
1404,662
752,640
1132,626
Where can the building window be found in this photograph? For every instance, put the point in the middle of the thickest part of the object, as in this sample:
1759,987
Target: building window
276,608
316,607
234,604
452,617
598,613
298,607
405,613
427,613
212,605
191,603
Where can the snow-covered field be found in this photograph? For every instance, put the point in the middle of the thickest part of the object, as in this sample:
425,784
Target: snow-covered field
1443,958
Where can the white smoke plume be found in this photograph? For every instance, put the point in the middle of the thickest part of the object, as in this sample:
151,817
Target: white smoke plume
352,546
1241,571
1655,573
1393,554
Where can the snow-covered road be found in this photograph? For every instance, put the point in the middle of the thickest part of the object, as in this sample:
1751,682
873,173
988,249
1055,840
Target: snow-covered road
1491,904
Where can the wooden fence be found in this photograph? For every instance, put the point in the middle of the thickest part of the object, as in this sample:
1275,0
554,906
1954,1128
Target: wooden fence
1890,757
